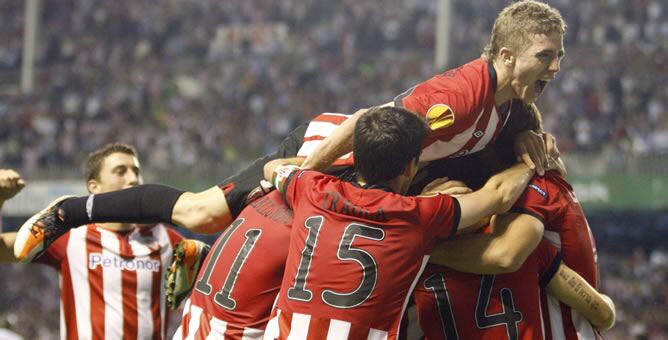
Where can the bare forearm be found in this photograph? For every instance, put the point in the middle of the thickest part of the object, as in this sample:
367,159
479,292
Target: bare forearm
508,185
471,253
7,247
334,146
573,290
271,166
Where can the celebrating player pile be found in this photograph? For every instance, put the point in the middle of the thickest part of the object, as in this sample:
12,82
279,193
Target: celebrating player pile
341,256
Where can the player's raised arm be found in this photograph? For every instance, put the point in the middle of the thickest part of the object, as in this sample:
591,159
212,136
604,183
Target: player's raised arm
570,288
497,195
514,237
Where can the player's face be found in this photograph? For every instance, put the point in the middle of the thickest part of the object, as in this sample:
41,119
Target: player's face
537,65
119,171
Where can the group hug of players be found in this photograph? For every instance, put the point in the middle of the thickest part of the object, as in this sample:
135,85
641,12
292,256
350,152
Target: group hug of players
417,202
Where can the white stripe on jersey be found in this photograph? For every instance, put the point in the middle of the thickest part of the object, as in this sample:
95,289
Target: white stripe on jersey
377,334
582,326
556,322
218,328
553,237
63,327
489,131
425,259
113,287
161,234
272,331
440,149
252,334
193,325
338,329
78,263
144,293
299,326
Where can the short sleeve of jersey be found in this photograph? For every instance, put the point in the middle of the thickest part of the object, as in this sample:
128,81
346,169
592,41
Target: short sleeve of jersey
293,183
55,253
445,111
444,212
549,259
535,200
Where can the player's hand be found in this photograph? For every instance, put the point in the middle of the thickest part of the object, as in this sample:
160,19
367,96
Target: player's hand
610,303
446,186
551,146
530,149
182,272
10,184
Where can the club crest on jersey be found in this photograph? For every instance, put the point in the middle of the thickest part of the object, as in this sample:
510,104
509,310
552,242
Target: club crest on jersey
539,190
440,116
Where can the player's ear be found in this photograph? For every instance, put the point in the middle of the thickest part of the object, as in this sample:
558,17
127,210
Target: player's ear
507,56
93,186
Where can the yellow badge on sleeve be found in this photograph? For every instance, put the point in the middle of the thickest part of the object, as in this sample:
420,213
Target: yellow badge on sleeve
440,116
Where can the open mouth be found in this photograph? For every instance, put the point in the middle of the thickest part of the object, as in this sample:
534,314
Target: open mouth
539,86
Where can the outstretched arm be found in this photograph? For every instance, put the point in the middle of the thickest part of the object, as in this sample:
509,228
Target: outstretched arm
497,195
570,288
514,237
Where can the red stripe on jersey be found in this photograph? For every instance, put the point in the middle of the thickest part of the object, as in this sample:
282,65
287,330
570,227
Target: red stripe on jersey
234,332
67,296
313,138
156,298
546,315
284,323
96,283
358,332
317,328
334,118
569,326
185,320
204,326
129,294
481,126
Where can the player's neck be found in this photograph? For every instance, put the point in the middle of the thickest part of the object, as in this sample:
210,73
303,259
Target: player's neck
121,227
504,91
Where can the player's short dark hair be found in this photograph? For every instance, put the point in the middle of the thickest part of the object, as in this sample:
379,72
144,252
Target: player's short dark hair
96,158
385,141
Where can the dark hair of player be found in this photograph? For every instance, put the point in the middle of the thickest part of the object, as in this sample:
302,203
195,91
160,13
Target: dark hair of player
385,141
96,158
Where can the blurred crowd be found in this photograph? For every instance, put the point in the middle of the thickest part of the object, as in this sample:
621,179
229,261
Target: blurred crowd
193,82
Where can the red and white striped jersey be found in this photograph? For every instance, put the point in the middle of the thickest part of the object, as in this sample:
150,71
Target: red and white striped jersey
355,255
111,282
552,200
459,108
320,127
236,288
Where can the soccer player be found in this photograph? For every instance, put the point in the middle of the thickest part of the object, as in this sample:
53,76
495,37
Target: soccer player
357,250
11,184
468,106
458,305
111,274
237,285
